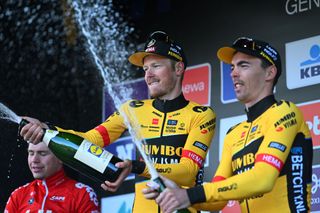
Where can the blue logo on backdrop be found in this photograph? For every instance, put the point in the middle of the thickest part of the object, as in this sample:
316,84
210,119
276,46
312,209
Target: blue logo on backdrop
311,67
227,93
303,62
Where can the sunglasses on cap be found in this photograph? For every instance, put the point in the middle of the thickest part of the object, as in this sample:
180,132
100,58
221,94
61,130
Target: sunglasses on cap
252,45
160,36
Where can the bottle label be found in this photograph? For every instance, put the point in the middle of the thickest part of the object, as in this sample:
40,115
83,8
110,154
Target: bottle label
49,133
93,156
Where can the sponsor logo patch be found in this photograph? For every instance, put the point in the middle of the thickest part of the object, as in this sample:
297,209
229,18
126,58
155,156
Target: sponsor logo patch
200,145
57,198
95,150
271,160
254,128
155,121
278,146
172,122
200,108
136,103
233,186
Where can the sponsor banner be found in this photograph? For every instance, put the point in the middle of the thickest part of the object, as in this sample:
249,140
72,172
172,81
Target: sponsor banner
303,62
117,204
196,85
225,124
294,7
315,189
227,92
311,115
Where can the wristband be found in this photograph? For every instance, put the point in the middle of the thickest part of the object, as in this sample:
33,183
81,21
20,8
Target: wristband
196,194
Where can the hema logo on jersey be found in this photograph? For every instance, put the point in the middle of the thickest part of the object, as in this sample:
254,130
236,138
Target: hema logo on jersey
303,62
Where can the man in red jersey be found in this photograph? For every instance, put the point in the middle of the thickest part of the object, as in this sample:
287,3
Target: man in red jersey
52,190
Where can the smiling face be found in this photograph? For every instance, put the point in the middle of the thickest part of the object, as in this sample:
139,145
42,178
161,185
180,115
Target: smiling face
163,77
42,162
251,81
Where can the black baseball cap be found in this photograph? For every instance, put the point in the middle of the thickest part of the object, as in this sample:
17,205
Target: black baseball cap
159,43
253,47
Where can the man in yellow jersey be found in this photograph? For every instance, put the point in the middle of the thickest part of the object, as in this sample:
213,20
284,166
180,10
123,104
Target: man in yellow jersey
178,132
266,161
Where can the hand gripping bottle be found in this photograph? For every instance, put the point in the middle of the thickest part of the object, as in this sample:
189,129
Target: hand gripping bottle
81,155
162,186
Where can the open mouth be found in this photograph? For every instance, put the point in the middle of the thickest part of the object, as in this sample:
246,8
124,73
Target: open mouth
36,169
152,82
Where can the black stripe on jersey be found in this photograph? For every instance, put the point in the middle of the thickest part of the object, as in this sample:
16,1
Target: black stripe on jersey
298,174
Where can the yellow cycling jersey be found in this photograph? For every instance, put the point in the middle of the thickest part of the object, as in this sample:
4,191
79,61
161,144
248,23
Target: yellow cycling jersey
177,133
266,162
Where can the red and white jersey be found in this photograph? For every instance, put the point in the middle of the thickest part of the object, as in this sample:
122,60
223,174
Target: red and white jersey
57,193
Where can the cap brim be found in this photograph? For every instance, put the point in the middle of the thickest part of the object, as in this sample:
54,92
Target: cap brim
225,54
137,58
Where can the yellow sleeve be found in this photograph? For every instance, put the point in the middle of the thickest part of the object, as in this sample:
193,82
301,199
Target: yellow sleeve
105,133
268,161
192,159
210,206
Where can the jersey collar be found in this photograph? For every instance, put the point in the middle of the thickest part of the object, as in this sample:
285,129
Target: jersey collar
54,180
170,105
256,110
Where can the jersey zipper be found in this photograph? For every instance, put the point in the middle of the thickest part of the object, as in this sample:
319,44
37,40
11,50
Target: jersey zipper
164,119
163,124
46,195
161,134
247,204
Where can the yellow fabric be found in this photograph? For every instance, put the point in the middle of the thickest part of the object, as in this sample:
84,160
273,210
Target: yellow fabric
210,206
178,140
259,184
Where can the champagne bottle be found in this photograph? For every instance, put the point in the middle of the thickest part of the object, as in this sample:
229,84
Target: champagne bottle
81,155
162,186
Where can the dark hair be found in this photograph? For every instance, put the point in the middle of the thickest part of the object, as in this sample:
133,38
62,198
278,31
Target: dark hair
265,64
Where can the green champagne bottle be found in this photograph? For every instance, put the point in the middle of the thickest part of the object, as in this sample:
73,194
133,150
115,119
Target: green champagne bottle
162,186
81,155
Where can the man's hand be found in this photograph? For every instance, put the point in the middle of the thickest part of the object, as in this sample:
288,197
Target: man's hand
33,131
152,191
171,199
113,186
